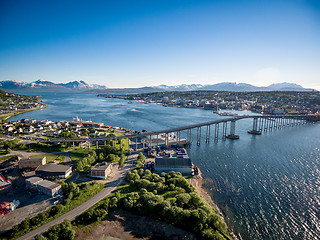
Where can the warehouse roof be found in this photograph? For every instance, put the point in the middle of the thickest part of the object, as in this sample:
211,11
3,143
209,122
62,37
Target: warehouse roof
34,180
48,184
173,162
53,168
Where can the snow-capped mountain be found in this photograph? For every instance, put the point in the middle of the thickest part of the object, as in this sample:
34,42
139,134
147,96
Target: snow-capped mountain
234,87
47,86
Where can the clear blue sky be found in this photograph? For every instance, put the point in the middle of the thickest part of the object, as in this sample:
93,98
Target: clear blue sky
145,43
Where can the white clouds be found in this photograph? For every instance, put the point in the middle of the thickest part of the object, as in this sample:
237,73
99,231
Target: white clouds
266,76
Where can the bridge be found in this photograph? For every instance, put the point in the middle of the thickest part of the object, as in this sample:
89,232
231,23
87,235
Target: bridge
225,128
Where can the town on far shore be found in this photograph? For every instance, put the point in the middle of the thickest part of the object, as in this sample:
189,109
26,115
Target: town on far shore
265,102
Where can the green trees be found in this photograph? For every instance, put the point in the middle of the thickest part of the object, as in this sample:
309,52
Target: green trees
68,135
62,231
171,198
140,160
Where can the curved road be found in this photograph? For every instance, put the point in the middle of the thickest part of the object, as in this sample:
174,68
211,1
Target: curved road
72,214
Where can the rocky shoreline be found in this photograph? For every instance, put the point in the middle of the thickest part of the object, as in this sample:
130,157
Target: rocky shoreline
197,181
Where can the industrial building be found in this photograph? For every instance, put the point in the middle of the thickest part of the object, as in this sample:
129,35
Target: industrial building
53,171
32,163
101,170
167,164
47,187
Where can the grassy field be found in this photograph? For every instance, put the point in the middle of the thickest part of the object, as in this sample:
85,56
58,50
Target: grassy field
51,157
79,153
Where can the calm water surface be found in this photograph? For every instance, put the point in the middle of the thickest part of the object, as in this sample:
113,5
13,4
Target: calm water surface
268,185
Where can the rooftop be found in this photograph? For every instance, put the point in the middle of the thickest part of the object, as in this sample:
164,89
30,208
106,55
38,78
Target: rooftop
53,168
173,162
33,159
100,166
48,184
34,180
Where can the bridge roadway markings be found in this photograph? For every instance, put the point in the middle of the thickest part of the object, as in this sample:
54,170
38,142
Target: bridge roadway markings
73,213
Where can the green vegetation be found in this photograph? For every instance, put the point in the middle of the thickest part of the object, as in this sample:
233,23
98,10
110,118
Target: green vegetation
75,194
50,157
40,146
169,198
85,158
140,160
62,231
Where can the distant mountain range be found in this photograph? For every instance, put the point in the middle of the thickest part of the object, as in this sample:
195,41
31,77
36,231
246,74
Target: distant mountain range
225,86
47,86
235,87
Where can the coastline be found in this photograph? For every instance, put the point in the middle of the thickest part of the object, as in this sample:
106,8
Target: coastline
10,115
196,181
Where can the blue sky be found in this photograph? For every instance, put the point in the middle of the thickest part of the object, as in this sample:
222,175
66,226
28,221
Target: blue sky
147,43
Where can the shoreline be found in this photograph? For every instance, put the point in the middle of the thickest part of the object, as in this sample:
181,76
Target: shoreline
197,181
23,111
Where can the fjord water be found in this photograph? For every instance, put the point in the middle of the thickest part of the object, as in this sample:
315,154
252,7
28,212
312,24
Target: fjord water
268,186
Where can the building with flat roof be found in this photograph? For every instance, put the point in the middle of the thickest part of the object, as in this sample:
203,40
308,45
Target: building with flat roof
32,181
32,163
53,171
47,187
101,170
177,164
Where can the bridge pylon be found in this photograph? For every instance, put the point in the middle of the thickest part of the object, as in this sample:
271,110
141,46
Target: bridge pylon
232,134
255,130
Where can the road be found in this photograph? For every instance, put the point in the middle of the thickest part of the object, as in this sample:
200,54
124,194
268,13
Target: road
115,180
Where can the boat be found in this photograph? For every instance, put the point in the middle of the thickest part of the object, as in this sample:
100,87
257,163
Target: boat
255,132
232,136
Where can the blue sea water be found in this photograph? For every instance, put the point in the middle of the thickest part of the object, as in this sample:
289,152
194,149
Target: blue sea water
268,186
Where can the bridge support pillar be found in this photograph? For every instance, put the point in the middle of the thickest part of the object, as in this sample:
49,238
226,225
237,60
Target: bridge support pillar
265,124
208,134
232,134
120,144
97,144
189,138
198,135
224,130
72,144
255,126
216,132
113,143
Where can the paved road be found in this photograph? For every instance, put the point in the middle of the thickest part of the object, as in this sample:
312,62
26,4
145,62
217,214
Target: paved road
115,180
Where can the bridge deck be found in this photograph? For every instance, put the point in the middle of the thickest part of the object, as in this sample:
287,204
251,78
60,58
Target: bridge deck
145,134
